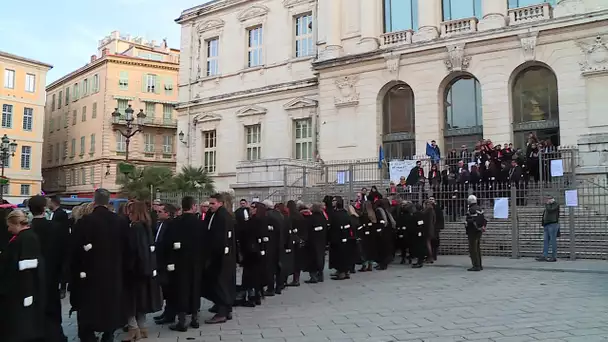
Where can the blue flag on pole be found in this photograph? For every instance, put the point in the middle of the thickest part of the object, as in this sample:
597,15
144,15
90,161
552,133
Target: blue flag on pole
432,153
380,156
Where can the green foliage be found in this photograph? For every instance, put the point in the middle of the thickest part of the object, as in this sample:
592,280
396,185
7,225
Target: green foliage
194,179
137,183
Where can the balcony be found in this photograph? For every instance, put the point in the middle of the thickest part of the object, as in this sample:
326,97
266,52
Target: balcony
154,122
396,38
530,14
458,27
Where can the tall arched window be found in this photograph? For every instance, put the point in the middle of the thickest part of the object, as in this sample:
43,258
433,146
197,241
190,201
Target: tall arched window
400,15
461,9
525,3
398,123
535,105
463,113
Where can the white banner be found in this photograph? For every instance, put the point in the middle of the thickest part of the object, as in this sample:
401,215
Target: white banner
399,168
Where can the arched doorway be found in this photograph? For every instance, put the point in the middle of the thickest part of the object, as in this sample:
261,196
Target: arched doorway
463,113
535,105
398,122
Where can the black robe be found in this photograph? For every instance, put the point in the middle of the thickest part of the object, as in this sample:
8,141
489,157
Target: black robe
142,291
300,237
183,253
53,244
401,229
317,235
385,237
250,241
220,257
339,252
287,247
274,250
98,261
367,238
22,289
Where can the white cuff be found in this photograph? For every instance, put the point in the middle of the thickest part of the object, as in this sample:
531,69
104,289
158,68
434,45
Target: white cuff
27,301
87,247
28,264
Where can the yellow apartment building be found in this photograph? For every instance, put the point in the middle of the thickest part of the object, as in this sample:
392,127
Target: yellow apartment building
22,98
82,145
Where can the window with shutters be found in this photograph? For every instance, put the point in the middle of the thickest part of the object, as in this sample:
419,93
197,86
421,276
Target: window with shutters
253,141
67,96
30,83
51,125
92,143
169,86
53,102
73,148
92,175
167,113
150,83
167,144
7,116
9,79
82,145
123,81
95,85
148,143
94,111
303,139
210,150
122,106
74,117
28,119
65,149
150,111
75,92
121,142
65,120
57,152
85,87
83,176
59,99
84,113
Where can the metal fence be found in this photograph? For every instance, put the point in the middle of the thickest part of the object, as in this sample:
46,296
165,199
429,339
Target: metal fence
584,227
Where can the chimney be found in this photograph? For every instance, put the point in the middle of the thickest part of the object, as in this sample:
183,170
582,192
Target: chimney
93,58
105,52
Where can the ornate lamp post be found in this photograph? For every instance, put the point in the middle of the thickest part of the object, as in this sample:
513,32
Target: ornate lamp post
132,128
7,150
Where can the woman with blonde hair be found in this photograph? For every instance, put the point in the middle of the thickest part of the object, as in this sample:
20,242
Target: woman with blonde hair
22,317
142,289
76,213
86,209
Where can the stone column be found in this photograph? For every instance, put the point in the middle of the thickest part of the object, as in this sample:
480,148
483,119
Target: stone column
370,15
333,47
429,19
494,15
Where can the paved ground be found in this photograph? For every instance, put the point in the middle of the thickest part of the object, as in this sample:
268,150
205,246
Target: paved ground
506,302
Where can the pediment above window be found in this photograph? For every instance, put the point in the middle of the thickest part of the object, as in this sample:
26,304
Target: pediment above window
207,117
300,102
293,3
251,110
253,12
208,25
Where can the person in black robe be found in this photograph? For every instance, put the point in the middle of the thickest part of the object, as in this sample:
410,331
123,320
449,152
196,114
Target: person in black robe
182,250
299,237
317,237
416,236
250,223
385,228
338,240
22,284
220,259
354,257
401,218
98,259
166,214
142,292
367,235
53,245
274,250
241,216
61,219
286,260
439,226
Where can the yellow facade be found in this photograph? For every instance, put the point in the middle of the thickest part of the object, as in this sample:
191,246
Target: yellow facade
22,98
82,147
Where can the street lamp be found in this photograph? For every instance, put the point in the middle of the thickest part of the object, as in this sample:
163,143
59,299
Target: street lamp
132,128
7,150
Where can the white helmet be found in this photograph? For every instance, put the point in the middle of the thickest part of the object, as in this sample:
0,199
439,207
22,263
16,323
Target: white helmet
472,199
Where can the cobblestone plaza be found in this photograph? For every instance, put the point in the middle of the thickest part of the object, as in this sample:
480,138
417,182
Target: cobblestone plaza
511,300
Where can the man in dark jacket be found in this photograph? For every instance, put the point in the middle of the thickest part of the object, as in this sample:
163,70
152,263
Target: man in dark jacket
475,226
277,222
550,223
62,221
165,213
98,256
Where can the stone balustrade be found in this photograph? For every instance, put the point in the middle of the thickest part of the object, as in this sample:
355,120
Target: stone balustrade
458,26
530,14
394,38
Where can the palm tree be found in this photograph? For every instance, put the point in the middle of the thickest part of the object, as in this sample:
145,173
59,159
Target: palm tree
138,183
194,178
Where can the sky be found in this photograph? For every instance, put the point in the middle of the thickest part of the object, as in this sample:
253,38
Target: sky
65,33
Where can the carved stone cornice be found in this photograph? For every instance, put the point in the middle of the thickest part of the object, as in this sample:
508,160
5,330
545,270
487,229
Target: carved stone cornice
528,45
347,86
457,60
300,102
596,56
206,117
251,110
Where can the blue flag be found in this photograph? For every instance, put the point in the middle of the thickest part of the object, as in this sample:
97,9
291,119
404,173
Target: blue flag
432,153
380,156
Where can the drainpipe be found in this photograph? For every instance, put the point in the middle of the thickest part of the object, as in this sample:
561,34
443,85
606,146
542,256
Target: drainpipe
190,63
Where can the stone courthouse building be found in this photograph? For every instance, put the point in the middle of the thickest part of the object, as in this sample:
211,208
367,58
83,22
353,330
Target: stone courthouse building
269,81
